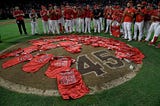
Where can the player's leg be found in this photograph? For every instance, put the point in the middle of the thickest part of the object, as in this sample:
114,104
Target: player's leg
82,25
66,26
140,27
23,26
151,29
89,25
125,30
19,27
155,37
135,30
32,28
95,25
129,31
57,26
98,25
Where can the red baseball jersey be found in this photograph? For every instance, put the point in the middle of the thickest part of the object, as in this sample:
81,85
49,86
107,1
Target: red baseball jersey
48,46
139,17
70,84
12,53
128,18
68,13
67,43
37,62
57,65
18,14
74,48
30,49
17,60
81,14
156,14
39,42
109,14
88,13
52,14
44,15
75,14
59,13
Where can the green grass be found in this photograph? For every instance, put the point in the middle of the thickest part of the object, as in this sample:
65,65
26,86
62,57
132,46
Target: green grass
142,90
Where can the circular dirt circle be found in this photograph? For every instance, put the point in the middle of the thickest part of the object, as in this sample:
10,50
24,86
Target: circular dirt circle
99,66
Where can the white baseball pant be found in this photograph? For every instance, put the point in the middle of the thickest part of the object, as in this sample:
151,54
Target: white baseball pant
138,26
128,30
151,29
88,25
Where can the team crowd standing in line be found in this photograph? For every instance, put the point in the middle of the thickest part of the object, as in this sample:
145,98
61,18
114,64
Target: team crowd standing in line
67,19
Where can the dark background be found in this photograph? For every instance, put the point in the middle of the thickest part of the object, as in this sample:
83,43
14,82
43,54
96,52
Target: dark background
7,6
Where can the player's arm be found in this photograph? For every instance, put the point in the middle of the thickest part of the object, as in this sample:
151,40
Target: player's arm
129,14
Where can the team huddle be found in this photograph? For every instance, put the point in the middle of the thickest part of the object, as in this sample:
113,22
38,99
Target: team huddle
112,19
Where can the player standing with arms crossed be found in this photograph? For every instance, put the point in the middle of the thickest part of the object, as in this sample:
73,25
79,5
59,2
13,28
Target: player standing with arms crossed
127,19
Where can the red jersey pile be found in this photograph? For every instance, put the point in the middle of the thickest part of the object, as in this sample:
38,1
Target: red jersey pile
69,80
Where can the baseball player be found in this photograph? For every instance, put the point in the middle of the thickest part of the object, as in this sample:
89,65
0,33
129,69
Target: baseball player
88,15
59,18
81,16
101,18
155,37
157,31
50,6
96,16
127,19
147,17
68,17
19,14
44,16
75,19
155,18
116,19
34,24
108,15
139,22
53,19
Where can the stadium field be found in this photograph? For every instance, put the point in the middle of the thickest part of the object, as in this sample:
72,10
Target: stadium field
142,90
